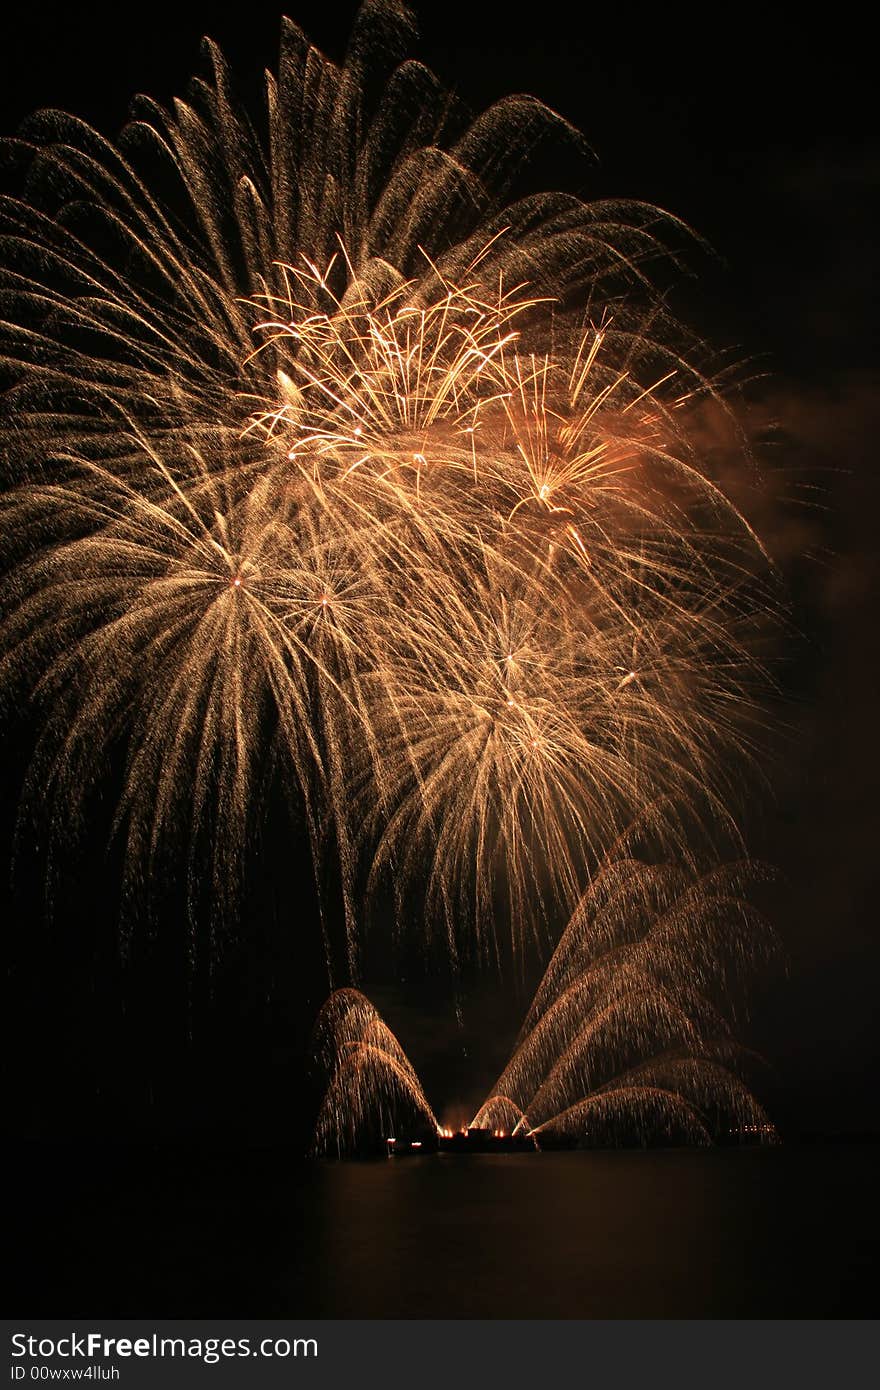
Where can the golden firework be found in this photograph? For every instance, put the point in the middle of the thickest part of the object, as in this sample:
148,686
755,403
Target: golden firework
332,463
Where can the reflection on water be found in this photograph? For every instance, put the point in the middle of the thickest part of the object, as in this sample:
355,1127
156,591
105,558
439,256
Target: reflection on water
674,1234
784,1232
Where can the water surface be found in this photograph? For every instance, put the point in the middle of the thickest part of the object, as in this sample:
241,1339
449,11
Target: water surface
789,1232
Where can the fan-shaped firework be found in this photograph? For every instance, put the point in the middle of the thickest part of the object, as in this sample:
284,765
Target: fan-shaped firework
324,455
624,1034
624,1038
371,1087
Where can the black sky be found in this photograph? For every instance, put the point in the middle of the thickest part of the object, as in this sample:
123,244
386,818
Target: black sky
759,130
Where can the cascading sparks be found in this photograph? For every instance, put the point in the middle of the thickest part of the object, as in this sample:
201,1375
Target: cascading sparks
327,460
624,1041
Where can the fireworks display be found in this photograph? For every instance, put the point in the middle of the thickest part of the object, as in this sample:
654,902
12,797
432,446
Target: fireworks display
624,1040
625,1035
328,461
371,1086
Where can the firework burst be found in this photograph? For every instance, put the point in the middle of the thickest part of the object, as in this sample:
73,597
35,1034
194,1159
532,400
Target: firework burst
325,457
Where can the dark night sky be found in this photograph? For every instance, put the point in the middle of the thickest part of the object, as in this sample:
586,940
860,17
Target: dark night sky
760,132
